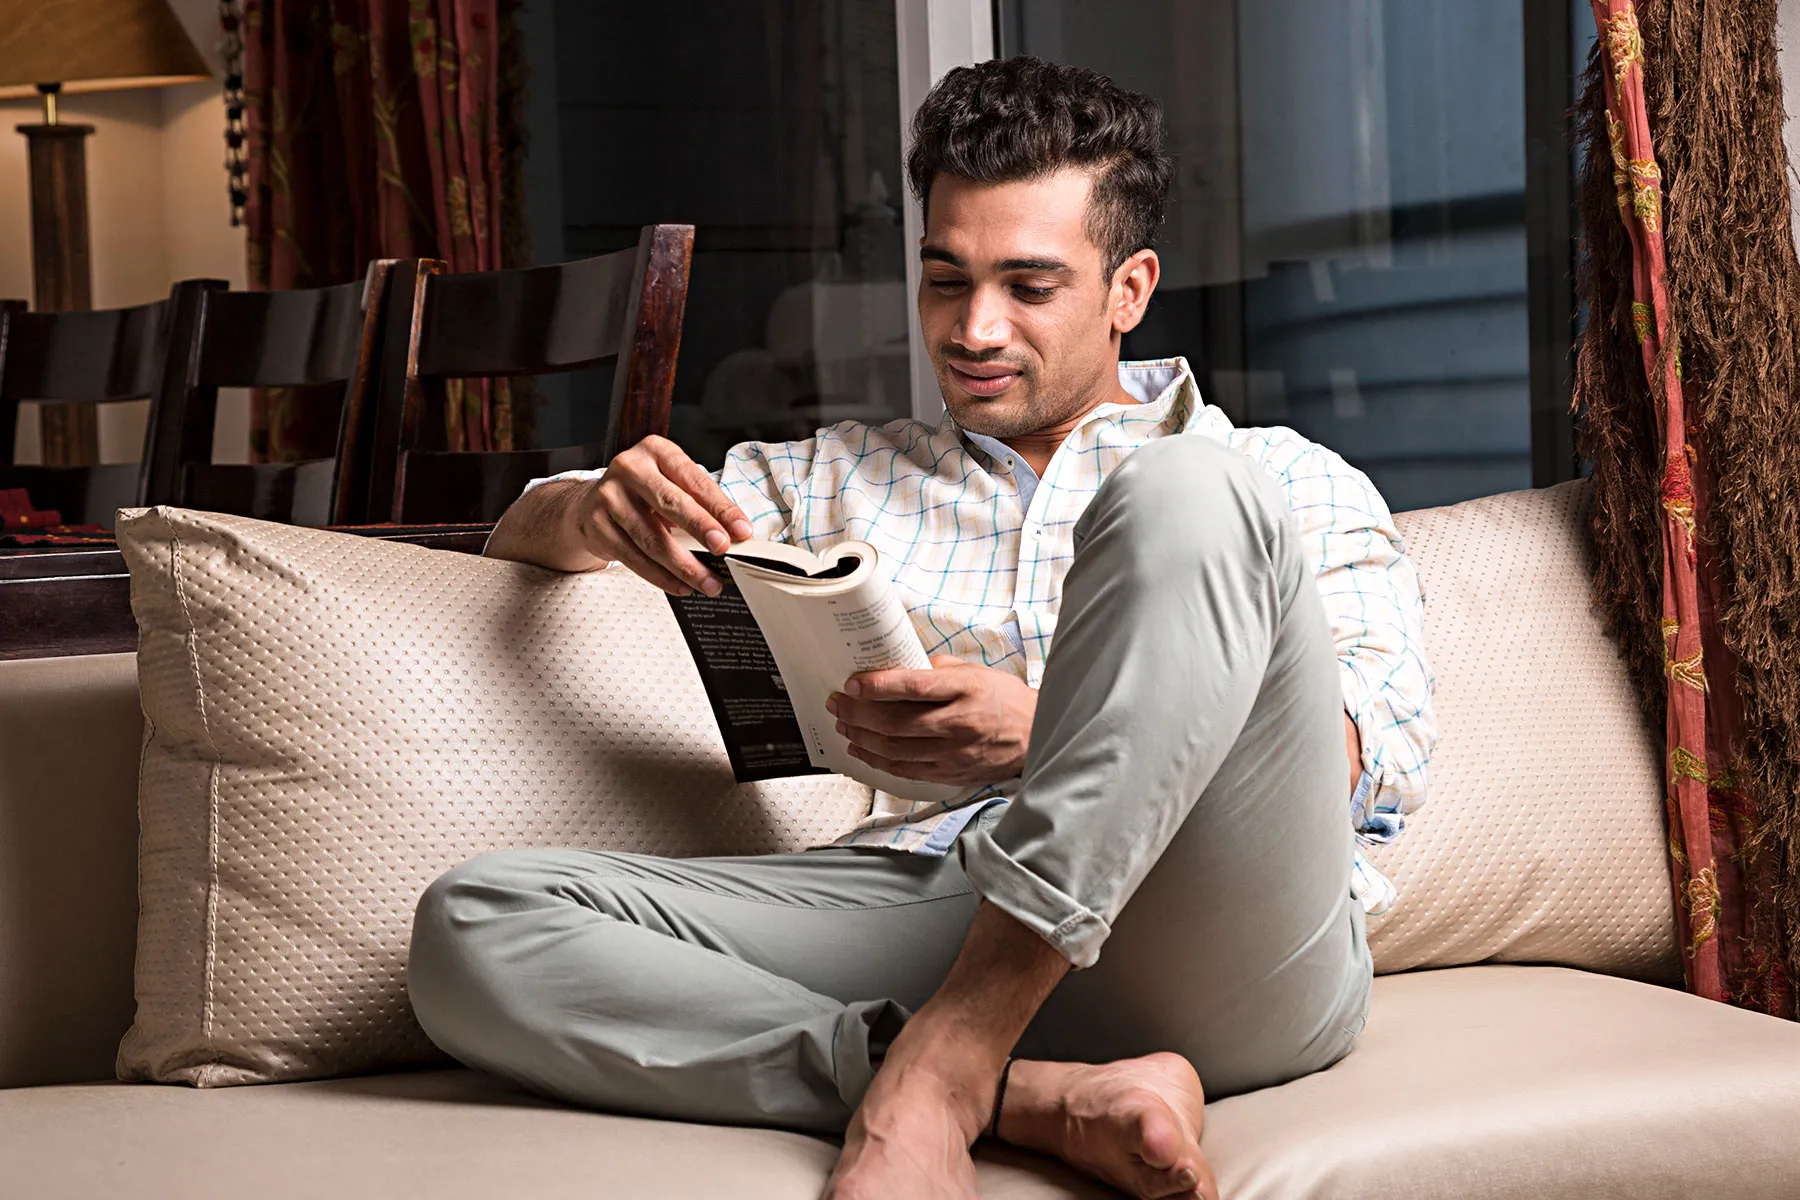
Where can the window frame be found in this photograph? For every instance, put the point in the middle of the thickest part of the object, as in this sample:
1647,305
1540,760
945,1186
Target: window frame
933,37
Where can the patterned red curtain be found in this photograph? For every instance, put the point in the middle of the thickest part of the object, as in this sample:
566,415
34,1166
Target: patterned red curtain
1690,269
374,131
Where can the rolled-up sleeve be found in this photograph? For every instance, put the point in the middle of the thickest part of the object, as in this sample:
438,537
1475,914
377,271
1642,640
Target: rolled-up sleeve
765,479
596,473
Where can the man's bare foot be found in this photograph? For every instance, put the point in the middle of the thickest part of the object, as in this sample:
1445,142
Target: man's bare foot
910,1138
1134,1124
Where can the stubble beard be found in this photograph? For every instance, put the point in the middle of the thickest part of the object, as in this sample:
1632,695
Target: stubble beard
1022,409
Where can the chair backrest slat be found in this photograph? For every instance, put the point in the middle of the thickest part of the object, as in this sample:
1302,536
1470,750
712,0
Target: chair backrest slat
301,338
627,306
85,357
281,339
533,321
79,358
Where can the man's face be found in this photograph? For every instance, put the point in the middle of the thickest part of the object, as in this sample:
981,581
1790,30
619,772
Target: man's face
1015,304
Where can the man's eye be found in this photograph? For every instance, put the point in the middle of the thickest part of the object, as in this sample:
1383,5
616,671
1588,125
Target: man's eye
947,285
1034,294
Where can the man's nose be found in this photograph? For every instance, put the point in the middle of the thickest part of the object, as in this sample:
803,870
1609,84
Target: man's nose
984,325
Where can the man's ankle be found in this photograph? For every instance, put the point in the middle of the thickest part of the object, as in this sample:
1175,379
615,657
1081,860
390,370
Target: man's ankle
954,1071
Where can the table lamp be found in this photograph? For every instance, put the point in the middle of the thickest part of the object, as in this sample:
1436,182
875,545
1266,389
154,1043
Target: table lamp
54,46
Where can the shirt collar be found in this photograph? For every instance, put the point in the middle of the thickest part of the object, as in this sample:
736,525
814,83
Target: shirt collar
1158,386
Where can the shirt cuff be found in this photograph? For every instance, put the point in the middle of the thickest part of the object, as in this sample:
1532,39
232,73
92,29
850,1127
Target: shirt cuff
596,473
1360,807
1370,888
1372,825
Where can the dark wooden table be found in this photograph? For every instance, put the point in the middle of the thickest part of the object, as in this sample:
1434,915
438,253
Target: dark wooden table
61,600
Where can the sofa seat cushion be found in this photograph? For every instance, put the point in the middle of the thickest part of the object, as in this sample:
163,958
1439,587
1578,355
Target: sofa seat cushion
447,1134
1507,1082
1474,1083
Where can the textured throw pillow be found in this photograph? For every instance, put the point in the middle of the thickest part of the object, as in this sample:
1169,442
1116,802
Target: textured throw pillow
332,721
1541,839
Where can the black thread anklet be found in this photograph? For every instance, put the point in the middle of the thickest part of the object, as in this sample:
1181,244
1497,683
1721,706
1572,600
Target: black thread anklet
1000,1099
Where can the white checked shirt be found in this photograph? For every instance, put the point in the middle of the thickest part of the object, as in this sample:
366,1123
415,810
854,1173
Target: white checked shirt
979,547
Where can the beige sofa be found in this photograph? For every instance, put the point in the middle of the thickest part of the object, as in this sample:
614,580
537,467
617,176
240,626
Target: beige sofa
1525,1039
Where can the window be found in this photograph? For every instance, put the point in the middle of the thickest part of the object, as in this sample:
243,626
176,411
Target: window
775,129
1369,235
1347,247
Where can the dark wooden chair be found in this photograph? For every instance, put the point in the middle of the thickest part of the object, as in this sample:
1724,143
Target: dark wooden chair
535,321
316,338
93,357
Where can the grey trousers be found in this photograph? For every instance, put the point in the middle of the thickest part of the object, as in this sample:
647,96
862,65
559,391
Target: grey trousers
1181,835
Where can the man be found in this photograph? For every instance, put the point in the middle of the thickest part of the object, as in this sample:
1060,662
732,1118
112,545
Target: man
1166,652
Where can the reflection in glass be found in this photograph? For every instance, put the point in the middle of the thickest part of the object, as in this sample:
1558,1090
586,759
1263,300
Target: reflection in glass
774,128
1345,248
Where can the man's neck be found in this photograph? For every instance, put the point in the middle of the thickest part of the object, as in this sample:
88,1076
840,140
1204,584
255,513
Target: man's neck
1039,446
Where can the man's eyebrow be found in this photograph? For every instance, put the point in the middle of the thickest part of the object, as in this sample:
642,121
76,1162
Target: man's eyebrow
1052,266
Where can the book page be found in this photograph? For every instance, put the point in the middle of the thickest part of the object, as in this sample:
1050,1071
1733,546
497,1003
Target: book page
823,632
878,635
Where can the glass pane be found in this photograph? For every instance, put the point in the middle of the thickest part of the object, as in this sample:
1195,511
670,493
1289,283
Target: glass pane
1345,251
774,129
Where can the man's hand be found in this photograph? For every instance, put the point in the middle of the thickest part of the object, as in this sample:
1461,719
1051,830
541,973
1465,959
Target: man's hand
959,722
648,492
629,516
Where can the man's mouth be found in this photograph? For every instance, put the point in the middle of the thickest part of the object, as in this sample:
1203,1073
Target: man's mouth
983,379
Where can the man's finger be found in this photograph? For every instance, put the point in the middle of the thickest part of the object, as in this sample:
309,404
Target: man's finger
696,481
683,511
920,749
647,569
900,684
662,475
894,717
926,772
651,538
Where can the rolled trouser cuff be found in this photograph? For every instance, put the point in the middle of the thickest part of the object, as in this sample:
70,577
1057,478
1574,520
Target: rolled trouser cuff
865,1030
1075,931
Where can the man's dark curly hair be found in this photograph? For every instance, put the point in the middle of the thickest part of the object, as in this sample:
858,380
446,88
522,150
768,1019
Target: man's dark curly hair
1014,119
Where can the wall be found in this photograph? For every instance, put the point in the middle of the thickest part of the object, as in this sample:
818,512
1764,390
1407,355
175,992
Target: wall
157,213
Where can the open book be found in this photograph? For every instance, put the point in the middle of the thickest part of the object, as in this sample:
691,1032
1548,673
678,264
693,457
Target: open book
785,633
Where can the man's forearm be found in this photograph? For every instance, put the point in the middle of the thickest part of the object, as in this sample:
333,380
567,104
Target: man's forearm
541,528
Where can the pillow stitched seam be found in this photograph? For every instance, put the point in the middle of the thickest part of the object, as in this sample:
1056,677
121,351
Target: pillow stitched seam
205,1070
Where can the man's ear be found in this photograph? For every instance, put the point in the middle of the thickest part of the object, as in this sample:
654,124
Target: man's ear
1132,285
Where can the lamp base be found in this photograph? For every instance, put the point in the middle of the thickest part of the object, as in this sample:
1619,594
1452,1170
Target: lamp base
61,269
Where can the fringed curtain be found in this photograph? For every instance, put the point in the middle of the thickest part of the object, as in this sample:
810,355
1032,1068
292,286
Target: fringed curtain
1687,377
374,130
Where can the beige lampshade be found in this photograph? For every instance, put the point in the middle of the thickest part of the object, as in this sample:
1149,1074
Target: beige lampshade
93,45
